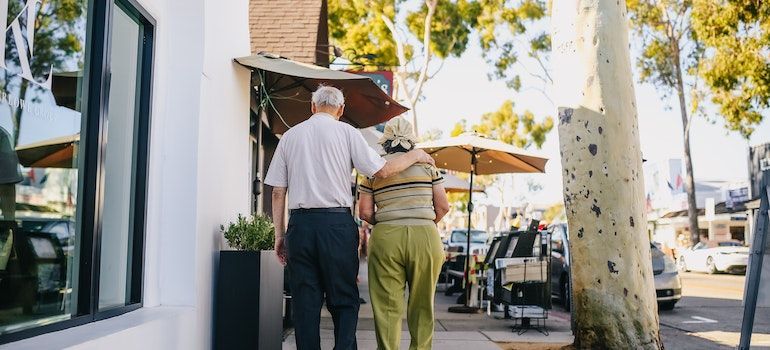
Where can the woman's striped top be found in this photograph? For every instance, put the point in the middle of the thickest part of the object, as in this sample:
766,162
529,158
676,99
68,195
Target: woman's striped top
405,198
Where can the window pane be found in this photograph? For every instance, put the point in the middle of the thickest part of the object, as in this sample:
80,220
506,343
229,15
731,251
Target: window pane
119,163
40,98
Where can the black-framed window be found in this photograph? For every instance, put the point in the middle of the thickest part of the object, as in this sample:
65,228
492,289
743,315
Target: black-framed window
75,93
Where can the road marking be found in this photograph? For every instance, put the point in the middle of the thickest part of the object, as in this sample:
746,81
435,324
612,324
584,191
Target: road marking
699,319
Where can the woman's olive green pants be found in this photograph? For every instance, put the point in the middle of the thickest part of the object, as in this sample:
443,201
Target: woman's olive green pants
402,256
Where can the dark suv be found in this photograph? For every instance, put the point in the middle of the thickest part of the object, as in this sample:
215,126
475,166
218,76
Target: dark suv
668,285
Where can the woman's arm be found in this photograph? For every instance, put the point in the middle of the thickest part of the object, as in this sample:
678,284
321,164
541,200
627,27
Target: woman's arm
440,202
366,207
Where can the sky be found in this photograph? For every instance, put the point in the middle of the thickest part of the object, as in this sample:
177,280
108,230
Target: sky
461,90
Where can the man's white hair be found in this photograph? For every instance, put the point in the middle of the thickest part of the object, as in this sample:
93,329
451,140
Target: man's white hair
328,96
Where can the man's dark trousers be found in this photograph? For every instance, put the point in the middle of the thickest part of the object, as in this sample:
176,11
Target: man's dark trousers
323,261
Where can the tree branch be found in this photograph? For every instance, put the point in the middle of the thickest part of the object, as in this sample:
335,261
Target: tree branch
426,48
430,76
400,73
542,66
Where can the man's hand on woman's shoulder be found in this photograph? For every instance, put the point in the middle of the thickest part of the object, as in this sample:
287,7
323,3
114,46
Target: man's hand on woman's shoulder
423,157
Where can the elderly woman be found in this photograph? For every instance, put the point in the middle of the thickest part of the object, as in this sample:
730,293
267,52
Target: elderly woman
405,248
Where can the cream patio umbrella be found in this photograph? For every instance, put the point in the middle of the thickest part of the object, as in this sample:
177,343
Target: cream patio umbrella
477,155
454,184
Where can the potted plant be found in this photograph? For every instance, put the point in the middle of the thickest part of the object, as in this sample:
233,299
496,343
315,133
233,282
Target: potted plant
249,291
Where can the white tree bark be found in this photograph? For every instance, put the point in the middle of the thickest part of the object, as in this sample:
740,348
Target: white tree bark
413,96
613,290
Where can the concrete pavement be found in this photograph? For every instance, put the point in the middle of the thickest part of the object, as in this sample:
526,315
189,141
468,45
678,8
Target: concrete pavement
709,315
455,331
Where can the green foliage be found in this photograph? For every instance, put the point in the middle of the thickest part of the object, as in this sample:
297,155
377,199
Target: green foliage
555,212
506,125
252,233
720,43
736,66
58,45
450,28
669,50
518,129
357,27
509,28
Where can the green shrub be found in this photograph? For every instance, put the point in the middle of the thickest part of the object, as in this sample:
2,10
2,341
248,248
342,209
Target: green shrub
250,233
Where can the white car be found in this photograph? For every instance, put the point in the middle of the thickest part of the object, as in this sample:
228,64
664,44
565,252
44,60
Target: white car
713,257
458,240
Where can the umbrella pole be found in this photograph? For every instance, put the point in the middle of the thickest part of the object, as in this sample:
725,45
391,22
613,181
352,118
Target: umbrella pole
466,308
468,243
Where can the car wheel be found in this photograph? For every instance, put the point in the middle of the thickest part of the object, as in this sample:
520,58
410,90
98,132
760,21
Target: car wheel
681,264
666,305
710,266
565,294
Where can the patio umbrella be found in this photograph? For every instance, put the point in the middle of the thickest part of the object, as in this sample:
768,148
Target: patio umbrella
284,88
57,152
454,184
478,155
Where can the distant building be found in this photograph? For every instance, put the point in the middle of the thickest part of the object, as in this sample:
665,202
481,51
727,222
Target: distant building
666,204
759,161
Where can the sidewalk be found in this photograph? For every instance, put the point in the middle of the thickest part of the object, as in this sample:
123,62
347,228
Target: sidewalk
455,331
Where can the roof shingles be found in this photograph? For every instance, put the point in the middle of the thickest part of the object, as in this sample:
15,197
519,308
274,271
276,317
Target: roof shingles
289,28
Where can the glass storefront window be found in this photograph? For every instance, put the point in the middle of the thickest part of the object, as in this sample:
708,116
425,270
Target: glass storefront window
119,162
40,120
73,161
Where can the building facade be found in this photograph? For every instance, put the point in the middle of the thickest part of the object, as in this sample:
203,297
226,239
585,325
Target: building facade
125,146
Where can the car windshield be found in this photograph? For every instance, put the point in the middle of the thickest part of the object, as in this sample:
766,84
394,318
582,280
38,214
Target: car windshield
729,244
477,236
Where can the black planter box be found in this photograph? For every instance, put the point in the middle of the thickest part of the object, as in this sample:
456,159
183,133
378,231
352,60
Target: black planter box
248,305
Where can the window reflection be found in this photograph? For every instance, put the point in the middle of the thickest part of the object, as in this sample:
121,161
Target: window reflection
117,228
40,121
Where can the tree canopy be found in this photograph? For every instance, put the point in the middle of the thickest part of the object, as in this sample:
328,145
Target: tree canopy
736,64
411,36
506,125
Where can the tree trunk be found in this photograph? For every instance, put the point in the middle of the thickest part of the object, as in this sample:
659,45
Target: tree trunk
692,204
613,292
16,113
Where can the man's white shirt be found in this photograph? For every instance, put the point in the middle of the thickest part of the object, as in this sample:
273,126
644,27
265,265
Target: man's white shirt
315,159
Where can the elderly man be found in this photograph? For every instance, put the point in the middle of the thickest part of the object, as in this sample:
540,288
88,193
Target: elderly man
313,163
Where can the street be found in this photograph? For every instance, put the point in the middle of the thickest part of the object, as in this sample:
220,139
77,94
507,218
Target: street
709,315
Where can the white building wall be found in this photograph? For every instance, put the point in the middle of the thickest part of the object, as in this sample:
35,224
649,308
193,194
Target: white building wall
224,146
173,168
198,178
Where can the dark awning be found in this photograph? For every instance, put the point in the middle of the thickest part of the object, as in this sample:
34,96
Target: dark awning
284,88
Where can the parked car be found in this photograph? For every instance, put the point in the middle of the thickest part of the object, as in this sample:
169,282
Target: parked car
33,272
62,228
458,241
713,257
668,284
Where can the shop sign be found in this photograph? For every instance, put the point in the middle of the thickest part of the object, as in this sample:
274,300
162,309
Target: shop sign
383,79
736,196
25,51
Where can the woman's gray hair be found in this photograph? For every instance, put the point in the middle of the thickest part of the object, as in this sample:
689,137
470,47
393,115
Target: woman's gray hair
328,96
389,149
